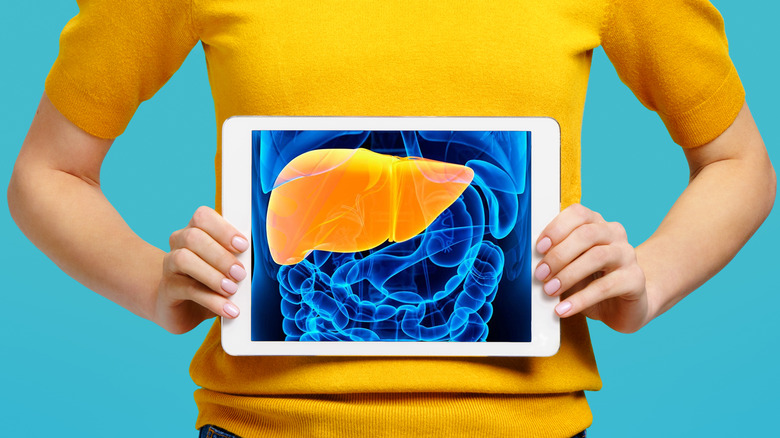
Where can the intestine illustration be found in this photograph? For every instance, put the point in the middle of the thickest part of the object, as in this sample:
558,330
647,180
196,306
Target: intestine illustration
388,235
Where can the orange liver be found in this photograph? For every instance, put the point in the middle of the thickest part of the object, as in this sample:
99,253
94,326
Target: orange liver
350,200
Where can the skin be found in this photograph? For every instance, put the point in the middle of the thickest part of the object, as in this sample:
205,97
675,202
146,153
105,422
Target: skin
55,190
590,264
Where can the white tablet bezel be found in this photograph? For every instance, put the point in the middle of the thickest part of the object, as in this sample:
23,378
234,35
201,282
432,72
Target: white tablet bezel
237,209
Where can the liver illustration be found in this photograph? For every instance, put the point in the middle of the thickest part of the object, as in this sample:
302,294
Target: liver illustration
351,200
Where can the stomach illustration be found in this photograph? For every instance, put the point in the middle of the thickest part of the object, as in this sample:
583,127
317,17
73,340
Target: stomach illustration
391,236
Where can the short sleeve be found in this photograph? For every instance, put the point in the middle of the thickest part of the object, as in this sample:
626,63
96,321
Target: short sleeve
115,54
673,54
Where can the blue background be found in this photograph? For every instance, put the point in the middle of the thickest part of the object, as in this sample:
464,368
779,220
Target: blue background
707,367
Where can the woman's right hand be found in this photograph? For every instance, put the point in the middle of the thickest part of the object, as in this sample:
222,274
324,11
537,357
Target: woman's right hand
200,273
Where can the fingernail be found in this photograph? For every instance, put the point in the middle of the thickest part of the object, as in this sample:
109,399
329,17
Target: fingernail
240,243
237,272
228,286
544,245
231,310
562,308
542,272
552,286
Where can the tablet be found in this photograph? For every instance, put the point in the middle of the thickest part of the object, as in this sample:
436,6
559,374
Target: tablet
400,236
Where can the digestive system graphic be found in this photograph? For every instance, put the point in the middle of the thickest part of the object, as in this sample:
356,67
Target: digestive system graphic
390,235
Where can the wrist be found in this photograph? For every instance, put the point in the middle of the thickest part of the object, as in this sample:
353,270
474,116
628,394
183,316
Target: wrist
654,289
147,292
653,299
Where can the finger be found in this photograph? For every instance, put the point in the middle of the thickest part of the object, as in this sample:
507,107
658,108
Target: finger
613,284
182,261
567,221
219,229
582,239
191,290
205,247
596,259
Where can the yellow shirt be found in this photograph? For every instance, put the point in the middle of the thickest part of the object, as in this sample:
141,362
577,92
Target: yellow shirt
394,58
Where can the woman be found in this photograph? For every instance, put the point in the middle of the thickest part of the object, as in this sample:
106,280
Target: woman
397,59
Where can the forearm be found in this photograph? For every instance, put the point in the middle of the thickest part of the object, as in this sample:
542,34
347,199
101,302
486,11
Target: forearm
724,204
55,198
72,222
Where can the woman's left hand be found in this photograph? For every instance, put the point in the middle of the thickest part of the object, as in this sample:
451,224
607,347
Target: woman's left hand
590,261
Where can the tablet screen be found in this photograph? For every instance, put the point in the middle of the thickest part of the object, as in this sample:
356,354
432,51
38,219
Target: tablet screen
391,236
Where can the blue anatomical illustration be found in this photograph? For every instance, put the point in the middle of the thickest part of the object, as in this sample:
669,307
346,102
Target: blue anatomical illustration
391,236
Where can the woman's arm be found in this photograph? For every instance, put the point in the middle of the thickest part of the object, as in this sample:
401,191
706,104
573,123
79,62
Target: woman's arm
731,191
55,198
